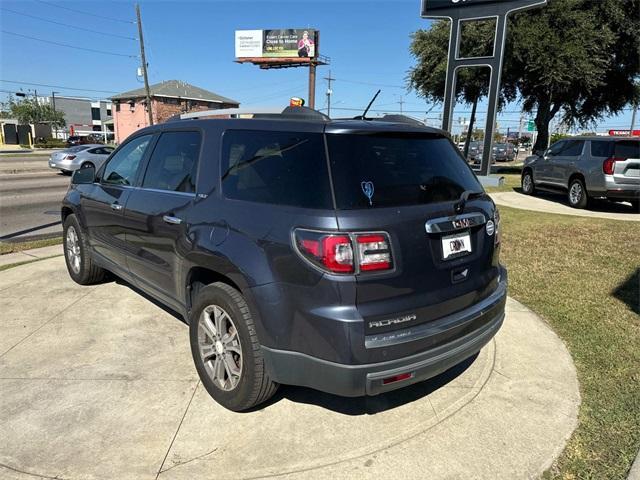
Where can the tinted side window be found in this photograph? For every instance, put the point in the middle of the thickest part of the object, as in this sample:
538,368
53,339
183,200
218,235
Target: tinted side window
555,149
123,166
627,149
285,168
174,162
573,148
600,148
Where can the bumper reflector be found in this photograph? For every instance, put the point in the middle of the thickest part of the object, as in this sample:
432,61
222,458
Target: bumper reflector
396,378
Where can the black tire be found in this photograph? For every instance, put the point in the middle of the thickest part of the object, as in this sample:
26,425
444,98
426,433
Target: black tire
254,385
86,272
87,165
577,194
635,204
528,187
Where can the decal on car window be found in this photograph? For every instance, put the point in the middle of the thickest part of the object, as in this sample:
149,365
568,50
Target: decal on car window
368,189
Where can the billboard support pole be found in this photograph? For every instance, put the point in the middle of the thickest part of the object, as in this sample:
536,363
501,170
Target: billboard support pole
312,84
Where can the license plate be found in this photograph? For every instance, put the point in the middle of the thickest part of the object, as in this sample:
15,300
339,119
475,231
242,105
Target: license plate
53,164
455,245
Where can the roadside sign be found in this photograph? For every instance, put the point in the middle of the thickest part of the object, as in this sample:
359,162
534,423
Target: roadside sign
624,133
531,126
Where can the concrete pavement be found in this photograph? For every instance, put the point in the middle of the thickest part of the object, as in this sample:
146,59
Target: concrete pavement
98,382
557,204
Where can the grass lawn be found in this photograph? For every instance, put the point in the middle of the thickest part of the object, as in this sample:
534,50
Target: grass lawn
582,276
6,247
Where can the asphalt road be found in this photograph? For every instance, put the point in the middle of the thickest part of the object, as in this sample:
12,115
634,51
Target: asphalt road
30,196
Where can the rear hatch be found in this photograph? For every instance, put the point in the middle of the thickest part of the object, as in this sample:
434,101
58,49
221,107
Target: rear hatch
627,162
407,184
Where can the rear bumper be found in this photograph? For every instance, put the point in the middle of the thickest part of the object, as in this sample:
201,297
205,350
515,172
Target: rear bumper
624,194
295,368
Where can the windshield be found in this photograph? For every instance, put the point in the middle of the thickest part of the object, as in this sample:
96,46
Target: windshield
384,170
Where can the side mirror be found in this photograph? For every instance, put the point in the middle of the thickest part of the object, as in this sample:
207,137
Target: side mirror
83,176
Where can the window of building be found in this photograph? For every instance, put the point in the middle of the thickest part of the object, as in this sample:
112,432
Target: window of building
284,168
95,113
108,112
117,107
174,162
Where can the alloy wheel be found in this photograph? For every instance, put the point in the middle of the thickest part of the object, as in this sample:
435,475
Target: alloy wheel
219,346
526,183
73,249
575,193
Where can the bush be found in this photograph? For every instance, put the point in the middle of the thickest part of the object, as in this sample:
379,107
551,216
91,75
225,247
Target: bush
51,143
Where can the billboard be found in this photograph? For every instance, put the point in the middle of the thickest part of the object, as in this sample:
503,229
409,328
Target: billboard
281,43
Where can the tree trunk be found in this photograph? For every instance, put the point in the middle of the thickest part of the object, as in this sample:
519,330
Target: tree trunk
546,112
472,120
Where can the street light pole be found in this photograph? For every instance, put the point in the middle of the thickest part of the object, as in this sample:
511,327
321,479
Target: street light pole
53,104
144,65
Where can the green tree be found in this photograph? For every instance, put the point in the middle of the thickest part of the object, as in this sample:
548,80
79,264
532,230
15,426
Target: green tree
29,110
578,57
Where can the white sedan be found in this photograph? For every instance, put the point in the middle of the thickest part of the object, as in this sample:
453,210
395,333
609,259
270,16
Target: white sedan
79,156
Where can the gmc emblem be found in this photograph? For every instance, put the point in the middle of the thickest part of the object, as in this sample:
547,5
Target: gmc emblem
461,223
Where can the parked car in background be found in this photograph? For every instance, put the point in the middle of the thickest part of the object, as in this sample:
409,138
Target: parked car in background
587,167
80,156
354,257
475,151
92,138
503,152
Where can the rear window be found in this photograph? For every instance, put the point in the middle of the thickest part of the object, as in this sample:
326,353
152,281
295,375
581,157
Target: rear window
385,170
284,168
627,149
617,149
77,148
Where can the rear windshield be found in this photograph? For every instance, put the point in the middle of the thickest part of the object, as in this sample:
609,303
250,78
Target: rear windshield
78,148
617,149
385,170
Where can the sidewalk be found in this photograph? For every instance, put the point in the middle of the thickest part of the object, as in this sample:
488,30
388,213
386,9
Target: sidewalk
29,255
102,369
554,204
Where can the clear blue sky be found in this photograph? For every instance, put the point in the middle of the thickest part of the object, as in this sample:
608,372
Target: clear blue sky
367,42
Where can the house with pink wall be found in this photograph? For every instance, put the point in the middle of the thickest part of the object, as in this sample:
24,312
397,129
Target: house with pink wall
169,98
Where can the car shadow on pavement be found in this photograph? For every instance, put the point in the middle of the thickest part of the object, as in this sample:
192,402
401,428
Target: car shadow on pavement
344,405
595,205
368,405
628,292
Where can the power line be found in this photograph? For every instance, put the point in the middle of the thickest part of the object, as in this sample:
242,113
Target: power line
369,83
69,46
58,86
86,13
68,25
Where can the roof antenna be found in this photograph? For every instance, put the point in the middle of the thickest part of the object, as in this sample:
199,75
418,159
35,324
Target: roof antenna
364,114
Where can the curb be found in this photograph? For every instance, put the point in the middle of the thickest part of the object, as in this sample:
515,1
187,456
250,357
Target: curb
634,473
30,255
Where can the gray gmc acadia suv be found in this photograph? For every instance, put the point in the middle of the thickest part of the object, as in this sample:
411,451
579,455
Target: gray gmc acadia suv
586,168
350,256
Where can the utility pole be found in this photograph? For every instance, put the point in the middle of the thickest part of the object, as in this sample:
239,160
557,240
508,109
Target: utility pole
144,65
633,118
312,83
401,102
329,79
53,104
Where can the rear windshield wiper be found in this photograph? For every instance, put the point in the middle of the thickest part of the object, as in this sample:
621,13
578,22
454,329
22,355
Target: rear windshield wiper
458,207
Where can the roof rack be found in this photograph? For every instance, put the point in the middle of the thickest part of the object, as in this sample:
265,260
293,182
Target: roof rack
294,113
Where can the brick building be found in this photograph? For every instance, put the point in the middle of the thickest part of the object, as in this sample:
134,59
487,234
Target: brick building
169,98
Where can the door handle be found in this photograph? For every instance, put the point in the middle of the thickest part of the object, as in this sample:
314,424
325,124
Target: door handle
172,220
116,206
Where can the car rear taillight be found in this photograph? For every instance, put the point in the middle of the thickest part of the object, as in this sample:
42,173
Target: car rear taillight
609,165
334,252
70,157
373,251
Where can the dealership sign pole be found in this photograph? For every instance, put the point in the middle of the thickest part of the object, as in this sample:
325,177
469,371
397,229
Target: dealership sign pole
458,11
